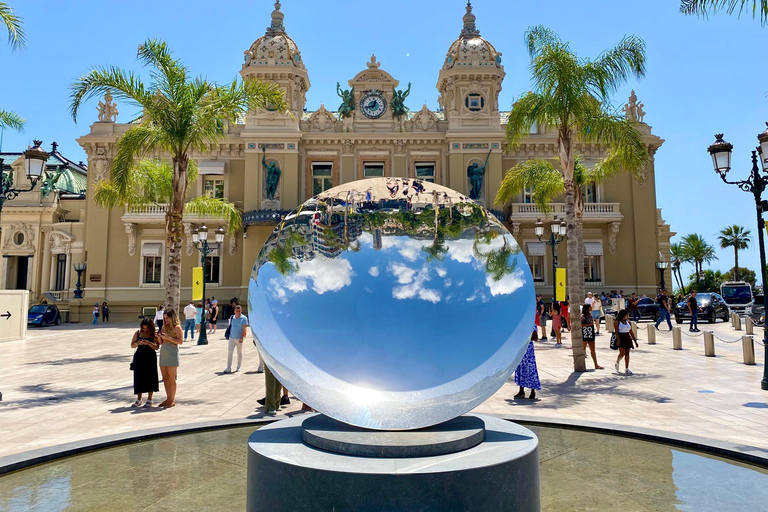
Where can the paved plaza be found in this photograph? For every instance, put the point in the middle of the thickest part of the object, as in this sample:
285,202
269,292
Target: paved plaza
72,382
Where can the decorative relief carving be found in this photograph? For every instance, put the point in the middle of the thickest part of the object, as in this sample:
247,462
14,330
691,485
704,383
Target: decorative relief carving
101,164
347,147
232,244
322,119
61,243
130,230
612,237
400,147
20,236
424,119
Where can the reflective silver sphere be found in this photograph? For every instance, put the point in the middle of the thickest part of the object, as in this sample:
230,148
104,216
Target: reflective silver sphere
391,303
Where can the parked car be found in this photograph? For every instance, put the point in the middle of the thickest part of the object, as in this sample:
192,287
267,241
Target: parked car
649,308
712,307
756,310
43,315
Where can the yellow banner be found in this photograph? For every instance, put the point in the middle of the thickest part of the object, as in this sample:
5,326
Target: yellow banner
197,283
560,280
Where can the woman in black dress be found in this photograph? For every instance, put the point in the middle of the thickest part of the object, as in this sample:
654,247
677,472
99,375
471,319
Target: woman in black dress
144,364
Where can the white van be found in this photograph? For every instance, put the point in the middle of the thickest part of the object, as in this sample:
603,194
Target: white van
737,295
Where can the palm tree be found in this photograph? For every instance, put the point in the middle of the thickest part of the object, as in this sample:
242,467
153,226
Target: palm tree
698,251
705,7
180,115
16,39
737,237
679,257
572,95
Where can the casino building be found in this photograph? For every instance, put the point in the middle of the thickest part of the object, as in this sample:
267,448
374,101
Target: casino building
371,134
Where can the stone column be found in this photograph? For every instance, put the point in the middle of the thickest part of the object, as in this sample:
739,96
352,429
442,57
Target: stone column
46,266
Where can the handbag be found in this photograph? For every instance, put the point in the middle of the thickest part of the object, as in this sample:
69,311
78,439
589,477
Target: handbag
588,332
614,342
228,331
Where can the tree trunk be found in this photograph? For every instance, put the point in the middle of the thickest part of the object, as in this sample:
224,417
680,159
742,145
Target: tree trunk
575,275
175,231
736,262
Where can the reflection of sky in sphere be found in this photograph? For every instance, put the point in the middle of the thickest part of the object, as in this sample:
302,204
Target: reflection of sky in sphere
380,313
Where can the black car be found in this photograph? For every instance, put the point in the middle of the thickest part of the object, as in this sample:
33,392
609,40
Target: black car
712,307
648,308
43,315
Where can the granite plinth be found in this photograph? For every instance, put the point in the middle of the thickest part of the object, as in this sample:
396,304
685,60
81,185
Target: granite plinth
451,436
499,474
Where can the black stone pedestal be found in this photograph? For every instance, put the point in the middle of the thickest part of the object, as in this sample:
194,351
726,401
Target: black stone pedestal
286,474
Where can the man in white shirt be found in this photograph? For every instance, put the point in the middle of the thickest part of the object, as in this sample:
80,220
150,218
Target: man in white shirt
189,319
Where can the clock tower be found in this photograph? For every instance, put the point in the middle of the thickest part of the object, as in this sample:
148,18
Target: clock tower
374,91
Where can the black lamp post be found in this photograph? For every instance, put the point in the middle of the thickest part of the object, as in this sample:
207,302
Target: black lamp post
35,159
662,265
79,268
557,235
200,239
755,184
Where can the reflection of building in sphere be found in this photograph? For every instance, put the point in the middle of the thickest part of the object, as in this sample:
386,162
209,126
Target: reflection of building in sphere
428,282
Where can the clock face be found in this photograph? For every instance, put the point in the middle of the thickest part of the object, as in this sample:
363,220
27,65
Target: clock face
373,105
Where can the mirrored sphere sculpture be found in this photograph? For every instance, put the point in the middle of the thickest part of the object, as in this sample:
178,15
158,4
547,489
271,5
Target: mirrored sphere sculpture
391,304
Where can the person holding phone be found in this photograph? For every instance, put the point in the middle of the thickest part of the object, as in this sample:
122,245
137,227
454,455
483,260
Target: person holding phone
171,337
144,365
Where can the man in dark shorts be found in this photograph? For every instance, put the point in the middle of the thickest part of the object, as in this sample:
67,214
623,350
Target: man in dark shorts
541,310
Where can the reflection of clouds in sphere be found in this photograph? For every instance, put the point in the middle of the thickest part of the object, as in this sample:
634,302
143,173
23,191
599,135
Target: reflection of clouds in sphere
437,290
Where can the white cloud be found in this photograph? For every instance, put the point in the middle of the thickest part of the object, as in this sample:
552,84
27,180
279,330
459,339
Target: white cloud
413,284
325,275
374,271
403,274
441,271
507,284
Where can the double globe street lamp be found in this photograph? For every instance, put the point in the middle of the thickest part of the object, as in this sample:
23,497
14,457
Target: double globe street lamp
558,231
200,239
756,184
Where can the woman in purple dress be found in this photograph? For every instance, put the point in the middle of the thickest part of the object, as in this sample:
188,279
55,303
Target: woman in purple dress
527,374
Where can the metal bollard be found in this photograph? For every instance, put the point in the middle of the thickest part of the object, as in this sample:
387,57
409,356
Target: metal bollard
749,326
736,322
748,346
651,334
709,344
677,339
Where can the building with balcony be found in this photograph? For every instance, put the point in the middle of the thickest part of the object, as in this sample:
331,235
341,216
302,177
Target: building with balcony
317,148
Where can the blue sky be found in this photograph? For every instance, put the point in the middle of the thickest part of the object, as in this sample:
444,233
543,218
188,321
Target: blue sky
704,76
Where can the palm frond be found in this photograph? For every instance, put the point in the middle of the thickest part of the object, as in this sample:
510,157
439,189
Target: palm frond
539,176
615,66
16,36
11,120
626,150
211,207
538,38
703,8
122,84
138,141
530,109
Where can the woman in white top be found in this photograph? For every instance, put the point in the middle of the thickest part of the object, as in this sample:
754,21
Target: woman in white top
159,318
623,329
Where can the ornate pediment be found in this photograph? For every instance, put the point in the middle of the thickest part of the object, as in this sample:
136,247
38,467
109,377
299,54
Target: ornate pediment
373,77
322,120
424,119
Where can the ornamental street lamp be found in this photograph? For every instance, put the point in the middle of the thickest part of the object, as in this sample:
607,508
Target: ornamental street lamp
35,159
79,268
200,239
755,184
558,231
662,265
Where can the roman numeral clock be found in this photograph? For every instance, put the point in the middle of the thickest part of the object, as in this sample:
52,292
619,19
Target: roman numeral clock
373,105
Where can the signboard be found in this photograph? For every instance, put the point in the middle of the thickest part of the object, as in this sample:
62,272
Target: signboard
95,278
14,305
560,280
197,283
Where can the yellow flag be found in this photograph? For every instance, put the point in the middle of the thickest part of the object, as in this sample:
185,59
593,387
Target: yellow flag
197,283
560,276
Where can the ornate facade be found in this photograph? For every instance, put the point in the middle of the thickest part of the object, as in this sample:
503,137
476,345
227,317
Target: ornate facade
271,162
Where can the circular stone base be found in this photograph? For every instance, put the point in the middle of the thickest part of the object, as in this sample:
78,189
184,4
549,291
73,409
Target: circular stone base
500,474
452,436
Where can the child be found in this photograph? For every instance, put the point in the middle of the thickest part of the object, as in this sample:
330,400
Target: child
557,320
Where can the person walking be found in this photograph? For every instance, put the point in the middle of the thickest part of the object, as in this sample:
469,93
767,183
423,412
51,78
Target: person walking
527,374
541,313
144,365
171,338
693,307
237,325
633,307
565,311
159,318
214,316
190,313
104,312
663,301
588,333
557,321
623,329
96,310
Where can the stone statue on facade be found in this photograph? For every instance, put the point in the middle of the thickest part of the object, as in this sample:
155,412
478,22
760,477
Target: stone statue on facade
476,175
107,109
633,110
398,101
272,173
347,101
